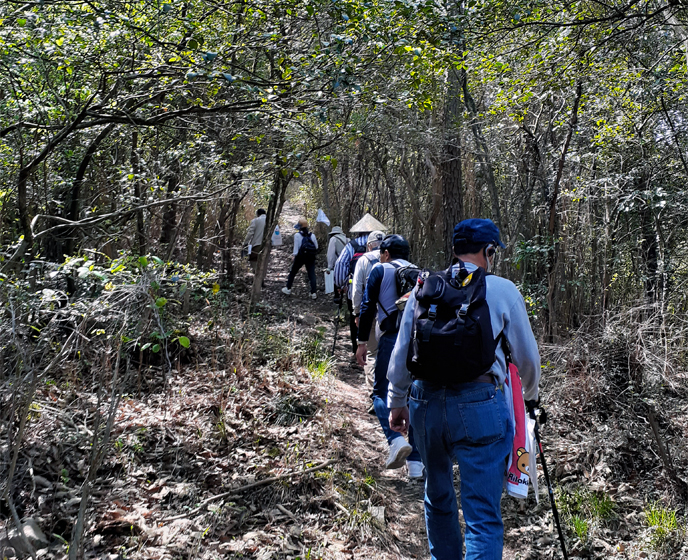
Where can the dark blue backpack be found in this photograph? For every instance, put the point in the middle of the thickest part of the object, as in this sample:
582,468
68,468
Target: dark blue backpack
451,338
307,247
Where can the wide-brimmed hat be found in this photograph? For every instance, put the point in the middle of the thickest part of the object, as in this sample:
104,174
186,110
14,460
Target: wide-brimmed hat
367,224
335,230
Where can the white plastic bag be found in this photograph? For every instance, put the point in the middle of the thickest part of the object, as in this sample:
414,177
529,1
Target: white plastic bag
329,282
322,218
276,237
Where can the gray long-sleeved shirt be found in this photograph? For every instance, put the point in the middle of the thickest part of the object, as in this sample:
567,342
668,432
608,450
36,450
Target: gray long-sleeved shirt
507,313
254,234
335,247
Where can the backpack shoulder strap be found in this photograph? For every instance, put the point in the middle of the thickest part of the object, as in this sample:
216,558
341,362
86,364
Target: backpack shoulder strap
473,288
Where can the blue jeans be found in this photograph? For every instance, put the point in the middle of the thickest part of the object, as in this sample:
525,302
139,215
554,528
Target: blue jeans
468,422
380,387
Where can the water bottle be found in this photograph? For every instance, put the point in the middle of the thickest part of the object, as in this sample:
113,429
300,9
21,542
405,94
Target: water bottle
276,237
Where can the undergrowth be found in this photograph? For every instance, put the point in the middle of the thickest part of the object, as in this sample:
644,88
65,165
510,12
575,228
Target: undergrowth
663,523
582,509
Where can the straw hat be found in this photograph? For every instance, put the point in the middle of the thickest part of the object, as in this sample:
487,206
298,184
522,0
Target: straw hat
367,224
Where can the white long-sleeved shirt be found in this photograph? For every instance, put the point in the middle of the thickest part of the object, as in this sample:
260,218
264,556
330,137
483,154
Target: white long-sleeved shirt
298,237
361,272
507,313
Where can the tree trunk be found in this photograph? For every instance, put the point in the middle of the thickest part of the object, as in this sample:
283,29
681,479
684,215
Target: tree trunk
450,170
135,169
482,152
552,228
169,217
75,195
279,193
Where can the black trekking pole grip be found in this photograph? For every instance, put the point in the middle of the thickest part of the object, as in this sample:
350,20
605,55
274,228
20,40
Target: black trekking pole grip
550,490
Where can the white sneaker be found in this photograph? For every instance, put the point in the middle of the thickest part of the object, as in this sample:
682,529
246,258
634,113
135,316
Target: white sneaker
286,290
399,449
314,295
415,469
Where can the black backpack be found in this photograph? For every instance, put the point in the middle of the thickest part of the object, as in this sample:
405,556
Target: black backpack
451,337
307,247
405,278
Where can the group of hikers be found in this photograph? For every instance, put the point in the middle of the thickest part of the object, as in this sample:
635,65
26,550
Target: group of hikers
438,347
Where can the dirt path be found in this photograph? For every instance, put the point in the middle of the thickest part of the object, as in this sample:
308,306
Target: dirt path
360,440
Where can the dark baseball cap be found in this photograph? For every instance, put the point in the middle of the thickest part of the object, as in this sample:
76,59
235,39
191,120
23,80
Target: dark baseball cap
476,230
396,245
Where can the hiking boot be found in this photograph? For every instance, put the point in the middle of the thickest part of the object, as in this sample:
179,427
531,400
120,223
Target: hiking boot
399,449
415,469
286,291
314,295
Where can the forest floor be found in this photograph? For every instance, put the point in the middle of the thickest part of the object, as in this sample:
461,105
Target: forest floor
261,446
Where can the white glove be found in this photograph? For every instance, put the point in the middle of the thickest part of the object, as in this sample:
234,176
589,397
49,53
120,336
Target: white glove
249,249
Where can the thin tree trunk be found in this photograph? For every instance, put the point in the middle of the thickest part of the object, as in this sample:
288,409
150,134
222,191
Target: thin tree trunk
279,192
482,151
135,169
75,196
552,228
451,175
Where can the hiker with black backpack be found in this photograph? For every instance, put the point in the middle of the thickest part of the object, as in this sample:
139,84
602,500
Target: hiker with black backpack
457,330
305,249
384,287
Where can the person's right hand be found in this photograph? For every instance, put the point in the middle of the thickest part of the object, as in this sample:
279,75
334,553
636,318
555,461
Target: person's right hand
399,419
362,354
357,320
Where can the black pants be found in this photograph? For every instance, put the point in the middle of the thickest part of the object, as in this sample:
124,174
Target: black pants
299,261
352,325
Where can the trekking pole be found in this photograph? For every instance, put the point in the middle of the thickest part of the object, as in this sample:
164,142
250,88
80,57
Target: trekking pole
555,512
336,324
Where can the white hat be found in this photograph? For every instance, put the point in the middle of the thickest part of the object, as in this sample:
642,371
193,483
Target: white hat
376,237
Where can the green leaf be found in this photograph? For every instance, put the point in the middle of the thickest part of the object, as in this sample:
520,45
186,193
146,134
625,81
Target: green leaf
143,261
146,346
184,341
192,44
21,22
161,302
156,348
157,261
